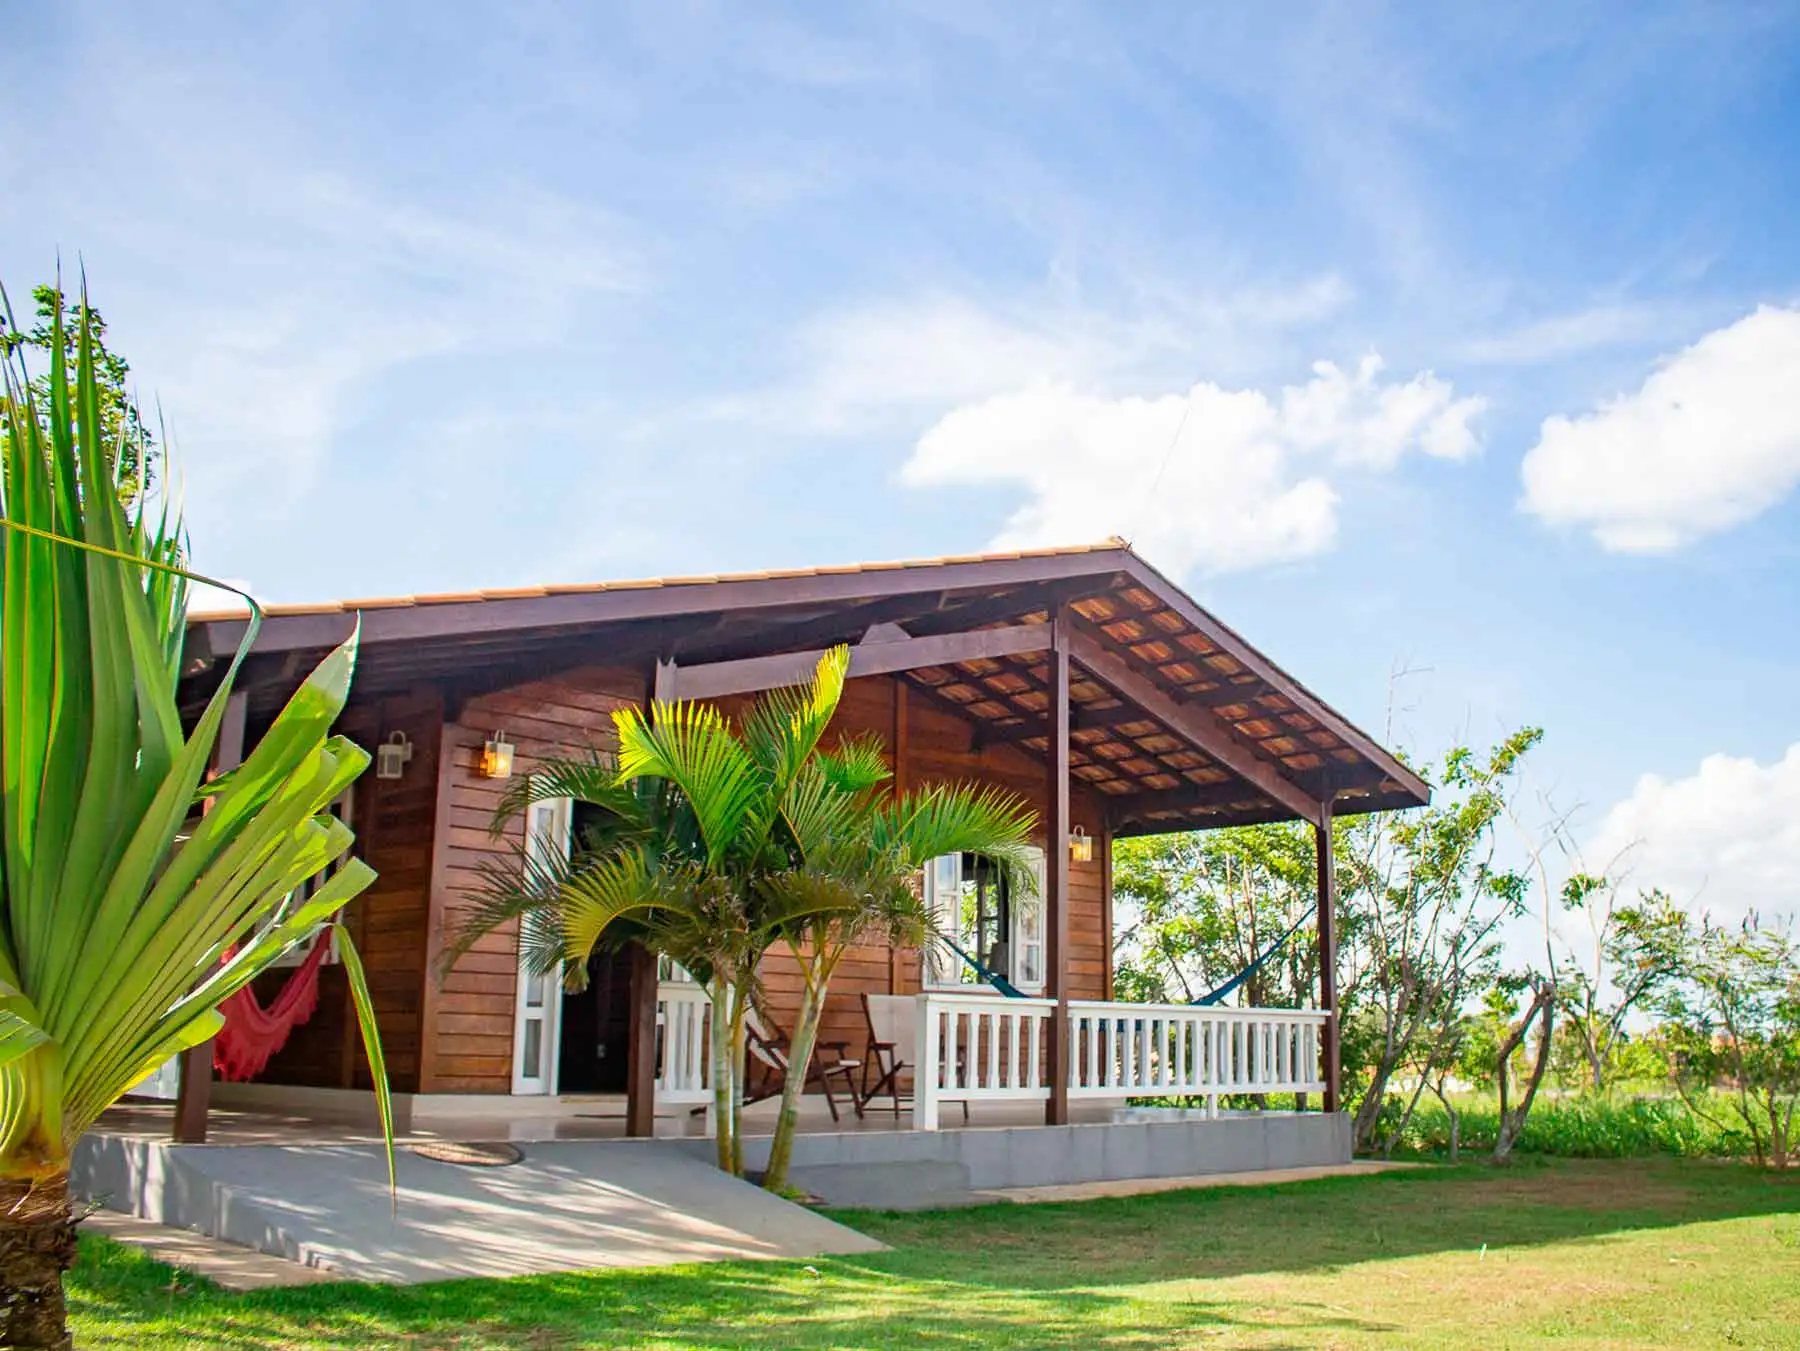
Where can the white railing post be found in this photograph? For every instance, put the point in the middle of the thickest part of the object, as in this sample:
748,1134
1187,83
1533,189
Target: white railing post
926,1068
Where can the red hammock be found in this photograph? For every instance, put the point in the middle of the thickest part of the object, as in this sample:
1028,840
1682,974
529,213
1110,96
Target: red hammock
252,1034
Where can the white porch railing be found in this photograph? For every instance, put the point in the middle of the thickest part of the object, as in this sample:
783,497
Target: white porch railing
682,1077
973,1047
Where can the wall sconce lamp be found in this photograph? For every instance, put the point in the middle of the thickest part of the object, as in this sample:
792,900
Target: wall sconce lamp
391,756
1081,846
497,757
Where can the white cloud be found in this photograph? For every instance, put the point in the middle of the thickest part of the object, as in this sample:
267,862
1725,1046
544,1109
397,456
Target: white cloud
1726,839
1710,440
1250,480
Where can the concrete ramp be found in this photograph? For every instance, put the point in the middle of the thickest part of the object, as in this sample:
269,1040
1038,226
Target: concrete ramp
566,1206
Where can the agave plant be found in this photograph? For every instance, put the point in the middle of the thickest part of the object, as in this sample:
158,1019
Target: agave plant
135,893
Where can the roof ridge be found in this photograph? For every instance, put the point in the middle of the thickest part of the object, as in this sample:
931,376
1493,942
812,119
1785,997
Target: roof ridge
345,606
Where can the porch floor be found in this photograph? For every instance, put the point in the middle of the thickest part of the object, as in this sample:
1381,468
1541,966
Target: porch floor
597,1117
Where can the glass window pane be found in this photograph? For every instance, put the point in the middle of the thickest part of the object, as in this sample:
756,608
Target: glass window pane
533,1050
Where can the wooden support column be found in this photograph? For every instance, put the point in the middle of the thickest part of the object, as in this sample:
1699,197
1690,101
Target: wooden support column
1330,1052
640,1071
1056,873
640,1082
194,1095
901,785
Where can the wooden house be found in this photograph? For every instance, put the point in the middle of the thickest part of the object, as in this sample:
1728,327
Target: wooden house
1081,678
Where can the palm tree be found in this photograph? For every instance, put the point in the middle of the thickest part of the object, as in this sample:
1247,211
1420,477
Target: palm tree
639,870
711,843
858,856
123,923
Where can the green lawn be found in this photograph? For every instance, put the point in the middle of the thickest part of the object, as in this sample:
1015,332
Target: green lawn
1567,1254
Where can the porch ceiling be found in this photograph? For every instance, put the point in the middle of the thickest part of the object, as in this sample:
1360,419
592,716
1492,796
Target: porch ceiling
1139,753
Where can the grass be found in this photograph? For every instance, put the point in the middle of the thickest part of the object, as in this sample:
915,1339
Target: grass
1543,1253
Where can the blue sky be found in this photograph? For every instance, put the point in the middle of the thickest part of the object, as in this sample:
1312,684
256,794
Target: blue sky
441,295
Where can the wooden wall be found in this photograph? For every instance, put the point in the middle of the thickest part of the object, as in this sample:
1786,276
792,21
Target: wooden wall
428,836
469,1014
393,820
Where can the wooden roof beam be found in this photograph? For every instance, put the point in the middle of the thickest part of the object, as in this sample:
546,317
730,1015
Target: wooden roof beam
1200,727
714,680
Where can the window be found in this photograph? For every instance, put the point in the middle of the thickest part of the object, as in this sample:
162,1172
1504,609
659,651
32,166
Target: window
998,925
537,1006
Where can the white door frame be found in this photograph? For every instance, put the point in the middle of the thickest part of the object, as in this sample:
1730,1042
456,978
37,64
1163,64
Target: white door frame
537,1000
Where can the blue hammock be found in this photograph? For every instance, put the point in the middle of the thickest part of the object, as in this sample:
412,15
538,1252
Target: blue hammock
1214,996
994,978
1011,991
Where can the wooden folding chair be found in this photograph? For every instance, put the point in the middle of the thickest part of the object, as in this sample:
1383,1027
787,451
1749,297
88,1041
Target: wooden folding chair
767,1047
892,1028
890,1020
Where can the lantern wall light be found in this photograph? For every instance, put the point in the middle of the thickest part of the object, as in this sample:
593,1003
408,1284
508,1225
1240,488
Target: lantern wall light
497,757
1081,846
391,756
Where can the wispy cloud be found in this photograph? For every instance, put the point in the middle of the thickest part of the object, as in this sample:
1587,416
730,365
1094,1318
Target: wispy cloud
1558,337
908,359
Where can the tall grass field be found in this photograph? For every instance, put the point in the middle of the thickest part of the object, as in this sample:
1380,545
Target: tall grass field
1583,1126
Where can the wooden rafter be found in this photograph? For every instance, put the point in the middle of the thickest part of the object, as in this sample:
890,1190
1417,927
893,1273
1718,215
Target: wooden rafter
1200,727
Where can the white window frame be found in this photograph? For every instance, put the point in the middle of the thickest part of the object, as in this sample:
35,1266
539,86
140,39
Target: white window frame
537,1000
942,969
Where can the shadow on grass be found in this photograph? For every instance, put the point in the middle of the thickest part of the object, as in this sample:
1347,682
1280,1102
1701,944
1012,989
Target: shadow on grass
123,1300
1326,1223
1045,1276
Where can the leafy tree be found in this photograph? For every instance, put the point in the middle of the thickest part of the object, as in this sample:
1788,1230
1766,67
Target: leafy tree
56,331
1422,898
1634,954
1736,1029
1540,1011
113,928
1202,907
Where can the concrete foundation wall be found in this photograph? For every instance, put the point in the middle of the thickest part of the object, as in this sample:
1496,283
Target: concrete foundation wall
906,1170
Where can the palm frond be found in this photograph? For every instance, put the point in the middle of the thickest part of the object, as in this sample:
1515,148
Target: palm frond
528,881
819,813
959,818
783,728
856,765
693,747
623,887
593,779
